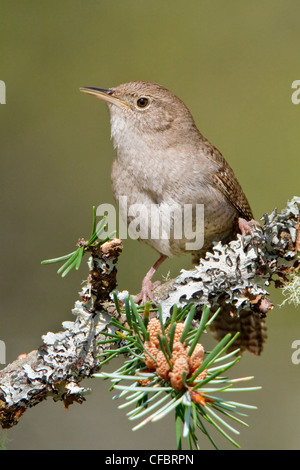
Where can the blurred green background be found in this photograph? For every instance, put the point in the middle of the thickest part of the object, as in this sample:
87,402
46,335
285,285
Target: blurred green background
233,64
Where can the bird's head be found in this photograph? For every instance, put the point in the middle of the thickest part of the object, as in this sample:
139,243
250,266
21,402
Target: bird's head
144,111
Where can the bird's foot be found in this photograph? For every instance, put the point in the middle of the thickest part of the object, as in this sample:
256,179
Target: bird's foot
146,293
245,226
148,286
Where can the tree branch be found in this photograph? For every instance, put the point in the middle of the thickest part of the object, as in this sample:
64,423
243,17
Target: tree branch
233,277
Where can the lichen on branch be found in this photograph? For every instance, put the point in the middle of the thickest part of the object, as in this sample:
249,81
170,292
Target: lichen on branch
234,277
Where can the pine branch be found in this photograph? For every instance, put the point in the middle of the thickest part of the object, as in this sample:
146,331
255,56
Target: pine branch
233,277
57,367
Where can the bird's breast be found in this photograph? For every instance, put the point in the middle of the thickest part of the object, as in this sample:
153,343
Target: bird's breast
170,212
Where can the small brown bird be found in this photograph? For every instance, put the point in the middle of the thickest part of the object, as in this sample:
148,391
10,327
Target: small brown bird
162,162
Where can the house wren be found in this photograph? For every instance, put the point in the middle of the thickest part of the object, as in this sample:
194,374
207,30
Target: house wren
162,162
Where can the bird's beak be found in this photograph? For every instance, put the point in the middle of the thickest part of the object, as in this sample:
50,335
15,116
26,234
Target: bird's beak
105,95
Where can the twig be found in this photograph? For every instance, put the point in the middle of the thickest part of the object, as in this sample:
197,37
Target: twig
65,358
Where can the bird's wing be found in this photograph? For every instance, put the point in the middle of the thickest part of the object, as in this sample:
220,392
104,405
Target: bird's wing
228,185
226,181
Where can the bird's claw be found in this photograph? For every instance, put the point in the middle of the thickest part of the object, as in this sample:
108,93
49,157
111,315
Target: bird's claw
146,293
245,226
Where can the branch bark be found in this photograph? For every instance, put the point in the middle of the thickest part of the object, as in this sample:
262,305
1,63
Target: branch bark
233,277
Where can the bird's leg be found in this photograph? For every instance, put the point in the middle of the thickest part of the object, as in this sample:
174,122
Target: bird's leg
147,284
245,226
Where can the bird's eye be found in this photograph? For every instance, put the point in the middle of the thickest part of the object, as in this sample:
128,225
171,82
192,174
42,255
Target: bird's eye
142,102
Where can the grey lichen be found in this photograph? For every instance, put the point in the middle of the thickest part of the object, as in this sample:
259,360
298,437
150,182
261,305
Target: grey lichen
292,291
228,270
240,271
56,368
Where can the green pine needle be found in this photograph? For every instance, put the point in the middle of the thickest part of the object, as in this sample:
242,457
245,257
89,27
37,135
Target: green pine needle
200,400
73,260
